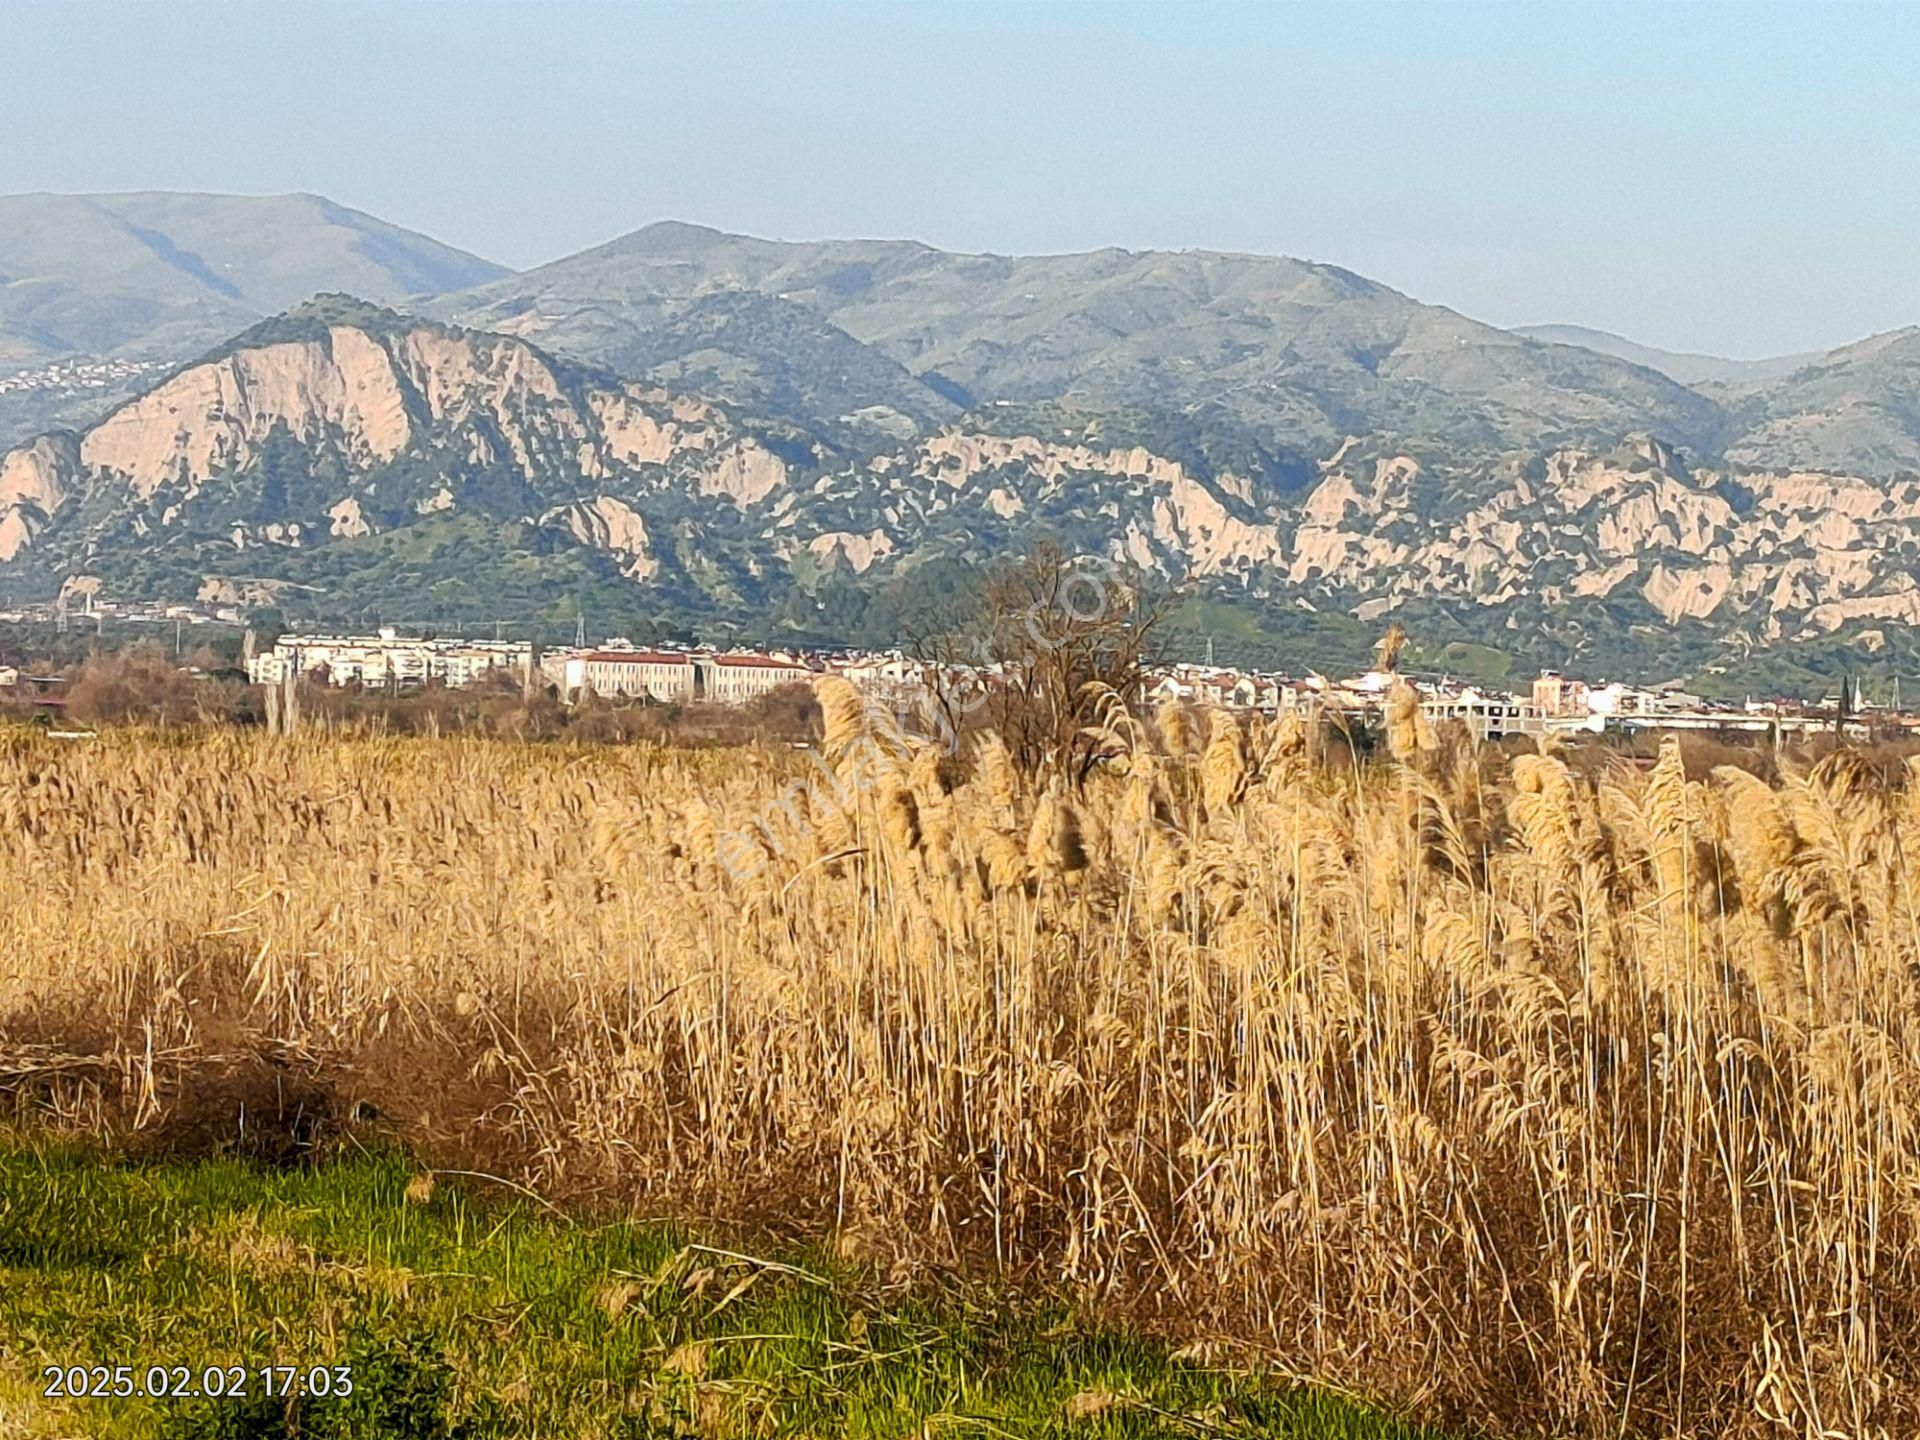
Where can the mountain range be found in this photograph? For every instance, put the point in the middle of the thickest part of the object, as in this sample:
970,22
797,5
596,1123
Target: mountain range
1272,356
704,429
1685,366
158,277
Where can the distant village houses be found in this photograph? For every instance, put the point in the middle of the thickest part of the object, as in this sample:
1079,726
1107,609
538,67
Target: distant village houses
910,688
390,660
1487,715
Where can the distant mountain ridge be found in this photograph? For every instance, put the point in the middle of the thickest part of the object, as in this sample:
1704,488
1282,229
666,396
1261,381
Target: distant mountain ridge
1269,355
144,273
348,461
1856,408
1686,367
160,276
1261,362
718,430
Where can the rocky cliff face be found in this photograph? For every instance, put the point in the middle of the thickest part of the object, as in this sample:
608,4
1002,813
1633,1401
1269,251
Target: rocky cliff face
1774,554
1777,552
342,444
33,485
342,422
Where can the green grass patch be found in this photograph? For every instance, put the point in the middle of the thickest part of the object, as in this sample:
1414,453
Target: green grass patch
1461,658
458,1313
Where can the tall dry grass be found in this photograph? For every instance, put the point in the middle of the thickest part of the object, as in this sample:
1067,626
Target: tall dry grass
1580,1104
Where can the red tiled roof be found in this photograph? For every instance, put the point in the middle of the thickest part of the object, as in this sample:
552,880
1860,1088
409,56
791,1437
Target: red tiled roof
637,657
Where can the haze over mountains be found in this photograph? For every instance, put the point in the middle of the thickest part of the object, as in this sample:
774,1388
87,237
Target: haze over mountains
1266,354
157,275
711,424
1271,354
1686,367
160,277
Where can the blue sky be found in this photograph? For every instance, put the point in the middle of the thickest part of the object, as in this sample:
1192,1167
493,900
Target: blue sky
1732,178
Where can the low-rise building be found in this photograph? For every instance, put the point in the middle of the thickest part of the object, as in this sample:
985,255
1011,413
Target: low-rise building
1621,700
737,678
387,659
664,675
1229,689
1555,695
891,676
1487,715
672,677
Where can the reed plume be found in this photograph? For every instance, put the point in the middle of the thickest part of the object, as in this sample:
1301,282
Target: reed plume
1544,1093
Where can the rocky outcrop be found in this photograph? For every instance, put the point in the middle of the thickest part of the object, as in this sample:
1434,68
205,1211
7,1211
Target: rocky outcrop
350,391
349,522
35,481
344,427
1182,523
957,457
858,552
642,426
608,523
215,417
1191,521
1801,551
745,473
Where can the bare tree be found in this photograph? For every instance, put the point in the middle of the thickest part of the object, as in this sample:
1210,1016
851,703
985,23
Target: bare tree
1036,656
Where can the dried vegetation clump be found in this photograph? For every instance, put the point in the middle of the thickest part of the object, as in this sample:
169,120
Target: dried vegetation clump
1581,1103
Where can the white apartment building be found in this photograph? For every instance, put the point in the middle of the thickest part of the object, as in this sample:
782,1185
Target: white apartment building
1487,717
270,668
665,676
673,677
894,682
736,679
386,658
1621,700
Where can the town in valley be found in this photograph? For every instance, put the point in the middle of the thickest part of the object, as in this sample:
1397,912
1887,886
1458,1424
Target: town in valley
903,684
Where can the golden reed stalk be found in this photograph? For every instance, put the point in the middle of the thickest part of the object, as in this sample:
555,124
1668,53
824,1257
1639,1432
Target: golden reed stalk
1549,1101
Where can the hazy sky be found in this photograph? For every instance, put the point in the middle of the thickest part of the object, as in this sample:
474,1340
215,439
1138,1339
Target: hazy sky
1738,179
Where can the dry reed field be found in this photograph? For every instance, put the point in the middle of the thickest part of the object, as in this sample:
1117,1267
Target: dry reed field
1533,1100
